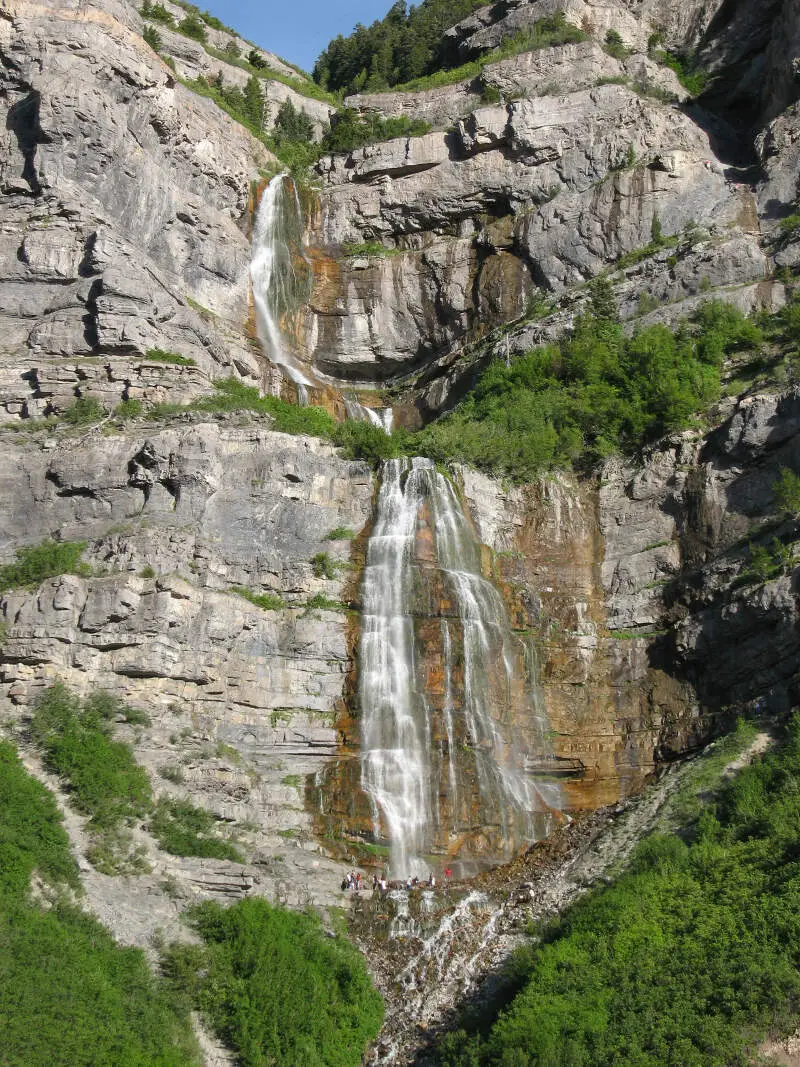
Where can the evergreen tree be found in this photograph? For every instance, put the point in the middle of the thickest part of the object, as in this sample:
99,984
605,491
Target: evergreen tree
254,102
292,126
603,303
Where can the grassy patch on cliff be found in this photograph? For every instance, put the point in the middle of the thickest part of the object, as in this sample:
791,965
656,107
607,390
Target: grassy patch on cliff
233,395
689,958
545,33
105,782
48,559
275,987
184,830
68,993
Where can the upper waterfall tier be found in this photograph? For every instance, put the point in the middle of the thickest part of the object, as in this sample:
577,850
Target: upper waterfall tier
444,744
280,272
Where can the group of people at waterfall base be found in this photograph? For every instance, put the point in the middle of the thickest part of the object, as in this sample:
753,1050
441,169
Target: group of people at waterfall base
354,881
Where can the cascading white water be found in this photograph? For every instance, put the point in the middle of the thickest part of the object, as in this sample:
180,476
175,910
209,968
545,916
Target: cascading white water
402,771
382,417
277,287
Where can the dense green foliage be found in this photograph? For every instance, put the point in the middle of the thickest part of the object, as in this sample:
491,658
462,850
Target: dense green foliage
101,774
45,560
349,129
68,993
596,392
31,835
402,45
277,989
787,492
233,395
405,49
184,830
688,959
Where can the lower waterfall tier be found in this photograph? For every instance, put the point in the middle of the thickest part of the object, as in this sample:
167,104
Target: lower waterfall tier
450,722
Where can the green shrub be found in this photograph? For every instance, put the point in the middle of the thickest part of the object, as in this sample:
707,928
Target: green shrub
267,601
364,440
129,409
192,26
691,77
614,45
292,995
689,958
158,355
100,774
156,13
323,566
340,533
787,492
323,603
45,560
233,395
86,409
365,248
152,37
789,225
350,129
292,125
184,830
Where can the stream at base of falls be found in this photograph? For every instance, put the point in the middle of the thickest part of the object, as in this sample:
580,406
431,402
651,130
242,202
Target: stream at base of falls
435,952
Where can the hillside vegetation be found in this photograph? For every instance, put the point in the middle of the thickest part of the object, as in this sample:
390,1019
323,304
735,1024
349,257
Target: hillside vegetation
690,958
404,44
574,403
68,993
276,987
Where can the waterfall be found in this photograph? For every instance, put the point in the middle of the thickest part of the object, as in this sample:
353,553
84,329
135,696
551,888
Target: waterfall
382,417
278,286
438,768
282,278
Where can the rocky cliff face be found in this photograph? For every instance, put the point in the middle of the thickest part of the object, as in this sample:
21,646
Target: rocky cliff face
552,184
125,222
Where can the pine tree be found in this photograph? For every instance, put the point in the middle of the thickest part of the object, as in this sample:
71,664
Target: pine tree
603,303
254,102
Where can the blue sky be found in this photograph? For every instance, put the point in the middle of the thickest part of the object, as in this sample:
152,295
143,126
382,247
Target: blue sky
298,30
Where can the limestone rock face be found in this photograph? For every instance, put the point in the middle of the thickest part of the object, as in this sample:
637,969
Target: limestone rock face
539,193
566,171
126,198
174,519
647,626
